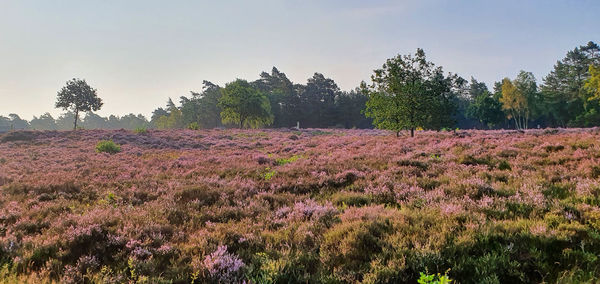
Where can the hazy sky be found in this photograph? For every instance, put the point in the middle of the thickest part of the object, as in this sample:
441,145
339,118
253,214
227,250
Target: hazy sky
139,53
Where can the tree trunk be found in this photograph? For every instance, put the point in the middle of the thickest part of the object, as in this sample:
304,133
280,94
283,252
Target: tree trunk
412,132
76,117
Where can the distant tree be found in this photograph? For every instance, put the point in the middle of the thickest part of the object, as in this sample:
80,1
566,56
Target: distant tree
78,96
209,113
12,122
486,109
157,113
410,92
65,121
282,96
17,122
132,121
94,121
317,101
593,82
514,103
527,85
244,105
171,118
202,108
5,124
43,122
349,107
483,106
564,92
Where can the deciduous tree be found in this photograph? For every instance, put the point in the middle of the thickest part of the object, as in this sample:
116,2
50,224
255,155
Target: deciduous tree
410,92
244,105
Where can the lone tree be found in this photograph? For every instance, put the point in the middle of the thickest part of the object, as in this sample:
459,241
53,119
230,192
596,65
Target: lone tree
409,92
244,105
78,96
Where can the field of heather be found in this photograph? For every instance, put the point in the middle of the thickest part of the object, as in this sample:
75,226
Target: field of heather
310,206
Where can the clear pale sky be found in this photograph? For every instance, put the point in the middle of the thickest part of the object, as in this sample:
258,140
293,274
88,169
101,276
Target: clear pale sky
137,53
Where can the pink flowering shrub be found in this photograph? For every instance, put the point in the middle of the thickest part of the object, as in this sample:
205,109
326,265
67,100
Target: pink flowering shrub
224,267
339,206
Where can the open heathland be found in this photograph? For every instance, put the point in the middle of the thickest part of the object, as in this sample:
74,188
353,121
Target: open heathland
308,206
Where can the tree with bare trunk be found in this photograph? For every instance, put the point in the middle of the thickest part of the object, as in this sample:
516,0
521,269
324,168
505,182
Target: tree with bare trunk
78,96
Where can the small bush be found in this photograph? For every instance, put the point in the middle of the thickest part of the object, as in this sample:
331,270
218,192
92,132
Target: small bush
283,161
203,194
140,130
504,165
193,126
473,161
108,146
423,166
351,199
433,279
554,148
595,171
269,174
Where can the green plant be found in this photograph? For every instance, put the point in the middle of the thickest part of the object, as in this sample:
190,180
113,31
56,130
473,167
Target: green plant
269,174
283,161
346,198
193,126
504,165
434,279
140,130
132,271
107,146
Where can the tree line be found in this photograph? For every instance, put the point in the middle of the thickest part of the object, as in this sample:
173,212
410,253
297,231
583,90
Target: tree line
406,93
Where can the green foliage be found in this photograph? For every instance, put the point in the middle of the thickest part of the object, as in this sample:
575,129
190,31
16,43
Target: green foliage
348,198
269,174
361,243
108,146
593,82
140,130
283,161
433,278
566,97
487,109
172,118
244,105
553,148
193,126
504,165
78,96
472,161
409,92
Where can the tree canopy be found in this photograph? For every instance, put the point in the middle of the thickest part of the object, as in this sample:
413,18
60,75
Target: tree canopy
77,96
244,105
409,92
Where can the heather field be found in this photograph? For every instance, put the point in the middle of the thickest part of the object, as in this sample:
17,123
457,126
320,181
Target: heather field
309,206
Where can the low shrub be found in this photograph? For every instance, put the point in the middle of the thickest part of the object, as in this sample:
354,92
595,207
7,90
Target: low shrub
423,166
554,148
433,279
14,136
193,126
348,198
470,160
140,130
504,165
108,146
